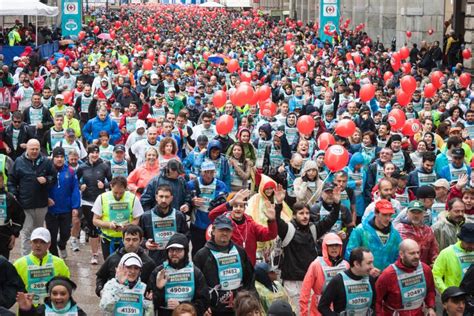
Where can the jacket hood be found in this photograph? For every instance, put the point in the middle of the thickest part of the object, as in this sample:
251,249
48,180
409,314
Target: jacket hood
213,144
267,128
265,179
180,239
319,153
330,238
356,159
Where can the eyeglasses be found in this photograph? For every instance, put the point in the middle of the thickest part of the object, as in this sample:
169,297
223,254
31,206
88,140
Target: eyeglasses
17,122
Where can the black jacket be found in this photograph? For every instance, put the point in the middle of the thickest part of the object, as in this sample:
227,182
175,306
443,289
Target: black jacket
159,256
14,219
26,133
180,195
107,270
10,283
89,174
206,262
47,121
201,293
333,300
301,250
23,183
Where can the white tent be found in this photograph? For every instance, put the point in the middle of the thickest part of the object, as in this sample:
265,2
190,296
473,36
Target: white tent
211,4
27,7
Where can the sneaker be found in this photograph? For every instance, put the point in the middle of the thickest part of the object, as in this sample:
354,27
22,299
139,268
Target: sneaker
63,253
95,259
82,239
74,244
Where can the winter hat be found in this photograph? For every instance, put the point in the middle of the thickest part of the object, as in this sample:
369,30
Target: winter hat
308,165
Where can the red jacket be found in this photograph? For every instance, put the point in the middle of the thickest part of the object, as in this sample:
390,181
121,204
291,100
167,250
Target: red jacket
249,232
424,236
453,193
388,291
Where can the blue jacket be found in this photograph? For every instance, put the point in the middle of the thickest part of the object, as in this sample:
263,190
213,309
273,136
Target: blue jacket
65,192
446,172
201,219
223,173
94,126
364,235
356,159
189,162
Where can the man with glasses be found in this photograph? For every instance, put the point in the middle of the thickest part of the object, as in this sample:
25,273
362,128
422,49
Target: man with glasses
16,135
206,127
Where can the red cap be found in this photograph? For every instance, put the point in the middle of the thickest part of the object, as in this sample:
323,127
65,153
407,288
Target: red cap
384,207
270,185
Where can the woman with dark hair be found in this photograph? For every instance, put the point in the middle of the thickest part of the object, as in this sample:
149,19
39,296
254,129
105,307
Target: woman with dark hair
268,288
247,304
240,168
367,147
417,156
243,135
168,150
455,116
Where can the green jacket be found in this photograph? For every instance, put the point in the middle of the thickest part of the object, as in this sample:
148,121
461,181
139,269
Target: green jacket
447,269
14,37
176,104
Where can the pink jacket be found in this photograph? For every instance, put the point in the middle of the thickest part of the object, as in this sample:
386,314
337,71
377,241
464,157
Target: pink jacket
315,279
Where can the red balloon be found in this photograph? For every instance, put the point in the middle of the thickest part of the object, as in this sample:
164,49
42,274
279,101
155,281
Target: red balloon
396,119
150,55
429,90
306,124
357,59
403,98
206,55
246,76
348,56
260,54
219,99
224,124
387,76
67,97
430,31
267,108
156,37
325,140
465,80
466,53
112,34
408,34
162,60
408,84
61,62
411,127
404,52
406,68
147,64
81,35
264,92
118,24
345,128
233,65
367,92
366,50
96,30
177,29
123,71
336,158
396,56
302,66
243,95
290,48
139,48
436,79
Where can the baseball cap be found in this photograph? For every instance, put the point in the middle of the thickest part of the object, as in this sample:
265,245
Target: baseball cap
328,186
154,76
70,132
467,233
416,206
452,291
171,89
58,151
117,105
16,58
457,152
131,259
119,147
426,192
441,183
265,267
93,148
41,233
66,69
207,166
202,139
59,96
223,222
384,207
280,308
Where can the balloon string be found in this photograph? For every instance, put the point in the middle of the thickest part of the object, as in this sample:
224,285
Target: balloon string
316,192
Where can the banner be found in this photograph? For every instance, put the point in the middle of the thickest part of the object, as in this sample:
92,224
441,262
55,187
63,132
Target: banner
71,17
328,19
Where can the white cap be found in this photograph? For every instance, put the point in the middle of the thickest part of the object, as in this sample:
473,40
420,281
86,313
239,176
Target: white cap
179,246
441,183
171,89
59,96
41,233
140,124
130,259
66,69
16,58
154,76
